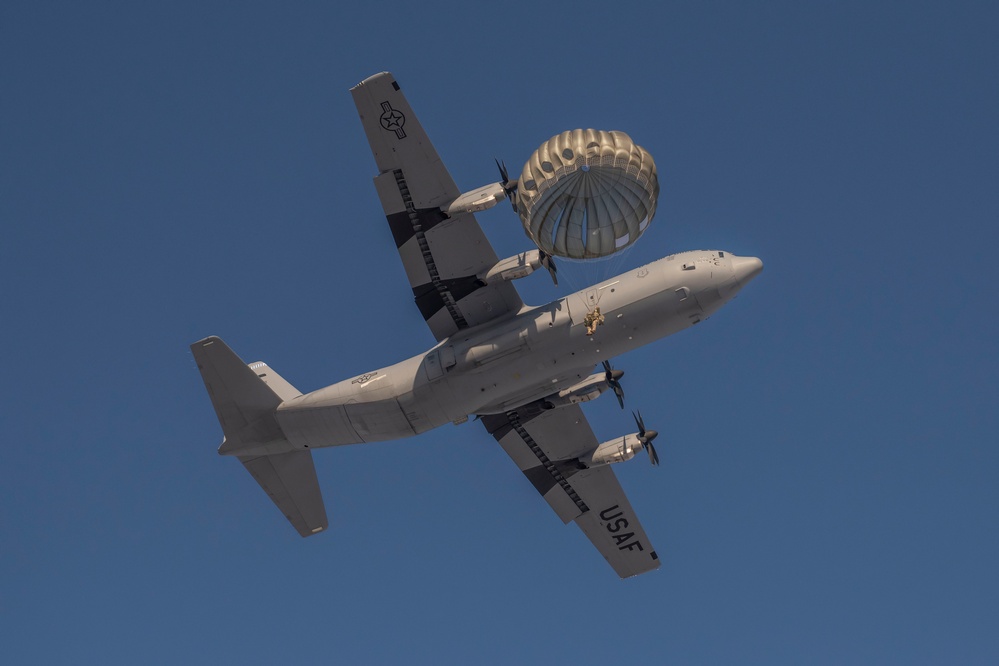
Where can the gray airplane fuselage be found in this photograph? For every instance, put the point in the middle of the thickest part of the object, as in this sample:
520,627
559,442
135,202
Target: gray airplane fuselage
504,364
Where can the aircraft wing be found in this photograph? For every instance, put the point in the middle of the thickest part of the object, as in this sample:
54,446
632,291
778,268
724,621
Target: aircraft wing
441,255
546,445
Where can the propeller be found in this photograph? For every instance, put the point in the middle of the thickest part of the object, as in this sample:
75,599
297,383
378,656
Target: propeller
646,437
548,261
613,381
510,190
509,186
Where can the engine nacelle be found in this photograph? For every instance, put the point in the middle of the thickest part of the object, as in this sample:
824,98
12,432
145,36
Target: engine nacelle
476,200
584,391
615,451
512,268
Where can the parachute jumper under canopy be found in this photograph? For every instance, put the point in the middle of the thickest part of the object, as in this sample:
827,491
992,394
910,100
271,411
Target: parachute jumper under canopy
586,194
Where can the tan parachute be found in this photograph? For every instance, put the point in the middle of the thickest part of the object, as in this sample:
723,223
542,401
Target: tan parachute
587,194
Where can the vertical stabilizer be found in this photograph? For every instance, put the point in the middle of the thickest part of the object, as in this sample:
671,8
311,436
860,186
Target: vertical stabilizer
243,401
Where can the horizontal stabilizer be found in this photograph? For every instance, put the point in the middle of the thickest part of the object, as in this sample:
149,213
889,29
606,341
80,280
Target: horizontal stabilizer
289,479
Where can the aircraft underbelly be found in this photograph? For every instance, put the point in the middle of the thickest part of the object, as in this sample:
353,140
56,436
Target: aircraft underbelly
350,423
318,426
379,421
492,371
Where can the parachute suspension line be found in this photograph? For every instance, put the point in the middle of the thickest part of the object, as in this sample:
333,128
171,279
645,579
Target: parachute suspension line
559,230
617,261
556,226
581,201
586,196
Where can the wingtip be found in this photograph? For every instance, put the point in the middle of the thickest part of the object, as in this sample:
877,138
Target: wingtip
373,78
204,342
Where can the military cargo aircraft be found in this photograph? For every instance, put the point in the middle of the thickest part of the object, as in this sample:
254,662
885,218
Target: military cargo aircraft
522,370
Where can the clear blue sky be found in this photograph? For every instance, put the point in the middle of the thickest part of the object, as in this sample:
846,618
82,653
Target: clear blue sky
829,491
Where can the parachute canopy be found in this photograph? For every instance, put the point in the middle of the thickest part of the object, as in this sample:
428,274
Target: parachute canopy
586,194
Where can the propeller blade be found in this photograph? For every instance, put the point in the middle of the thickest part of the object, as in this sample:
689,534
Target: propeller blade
646,437
510,190
640,423
653,456
509,186
613,381
619,392
549,262
502,169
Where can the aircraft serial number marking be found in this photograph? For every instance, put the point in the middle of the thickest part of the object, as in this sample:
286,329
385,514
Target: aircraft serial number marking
622,539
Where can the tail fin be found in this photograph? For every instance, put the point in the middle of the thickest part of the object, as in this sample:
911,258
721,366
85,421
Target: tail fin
245,398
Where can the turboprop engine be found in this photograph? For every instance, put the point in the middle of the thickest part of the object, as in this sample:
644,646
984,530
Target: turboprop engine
512,268
477,200
486,196
588,389
615,451
625,448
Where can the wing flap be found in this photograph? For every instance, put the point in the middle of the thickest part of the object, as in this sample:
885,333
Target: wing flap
546,446
542,466
441,255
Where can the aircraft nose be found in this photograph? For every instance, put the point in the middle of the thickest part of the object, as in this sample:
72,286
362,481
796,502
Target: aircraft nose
746,268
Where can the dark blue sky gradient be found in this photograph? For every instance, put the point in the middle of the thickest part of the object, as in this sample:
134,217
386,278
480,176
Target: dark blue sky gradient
829,491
